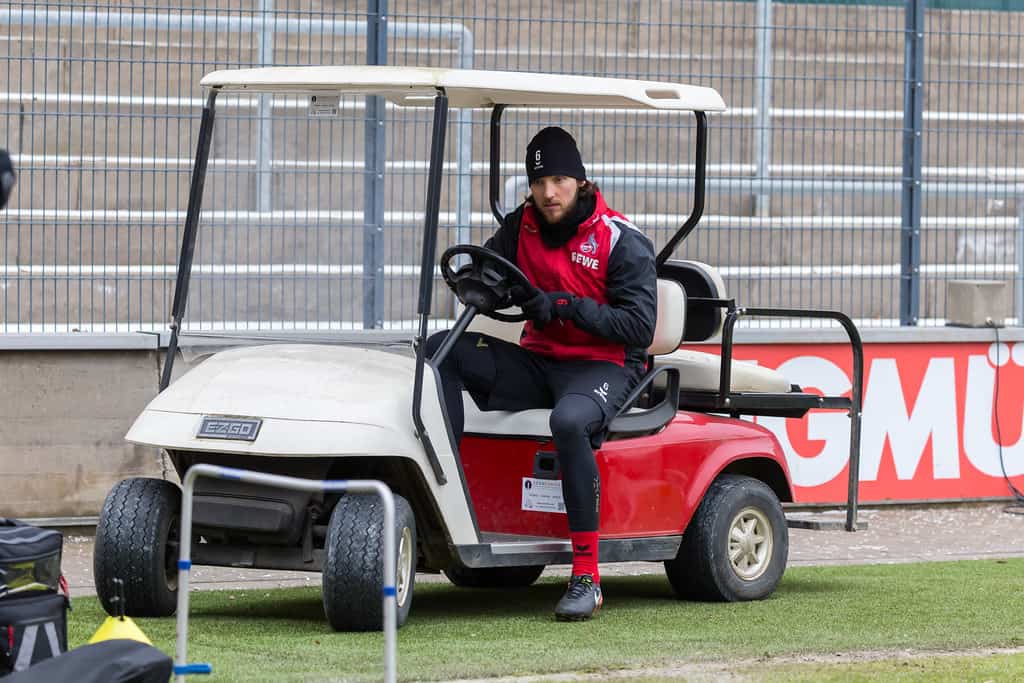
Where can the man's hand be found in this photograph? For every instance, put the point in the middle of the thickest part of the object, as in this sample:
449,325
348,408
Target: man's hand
543,307
563,305
538,309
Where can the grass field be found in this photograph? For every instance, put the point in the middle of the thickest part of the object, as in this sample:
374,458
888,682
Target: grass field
803,632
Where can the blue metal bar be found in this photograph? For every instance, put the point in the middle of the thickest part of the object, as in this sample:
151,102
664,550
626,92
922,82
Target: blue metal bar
373,184
763,101
265,149
188,669
913,124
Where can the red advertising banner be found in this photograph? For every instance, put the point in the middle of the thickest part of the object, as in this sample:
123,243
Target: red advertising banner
930,425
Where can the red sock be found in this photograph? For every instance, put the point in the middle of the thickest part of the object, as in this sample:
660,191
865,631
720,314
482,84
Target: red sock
584,553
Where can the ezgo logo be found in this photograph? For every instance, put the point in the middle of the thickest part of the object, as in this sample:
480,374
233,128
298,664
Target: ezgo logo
232,429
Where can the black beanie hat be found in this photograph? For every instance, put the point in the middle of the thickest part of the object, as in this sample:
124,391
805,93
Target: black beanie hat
553,151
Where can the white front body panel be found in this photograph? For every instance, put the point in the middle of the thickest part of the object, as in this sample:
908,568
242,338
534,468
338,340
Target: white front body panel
314,401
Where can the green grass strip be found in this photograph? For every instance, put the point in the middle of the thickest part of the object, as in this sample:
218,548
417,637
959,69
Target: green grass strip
281,635
1008,668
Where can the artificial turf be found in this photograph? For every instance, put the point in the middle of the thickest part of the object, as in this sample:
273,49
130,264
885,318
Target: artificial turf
989,668
281,635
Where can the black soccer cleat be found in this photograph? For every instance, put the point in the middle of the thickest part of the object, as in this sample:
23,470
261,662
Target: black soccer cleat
581,601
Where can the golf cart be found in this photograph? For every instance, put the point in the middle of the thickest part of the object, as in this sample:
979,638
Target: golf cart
684,481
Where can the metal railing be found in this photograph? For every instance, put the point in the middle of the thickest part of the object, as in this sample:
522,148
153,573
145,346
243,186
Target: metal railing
833,182
388,550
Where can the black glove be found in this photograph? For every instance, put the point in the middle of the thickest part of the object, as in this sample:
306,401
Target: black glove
563,305
6,177
538,309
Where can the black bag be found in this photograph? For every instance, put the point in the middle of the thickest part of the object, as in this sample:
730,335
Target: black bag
32,628
109,661
33,611
29,559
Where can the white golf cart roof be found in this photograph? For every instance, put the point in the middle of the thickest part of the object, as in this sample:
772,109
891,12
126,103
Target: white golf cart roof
416,86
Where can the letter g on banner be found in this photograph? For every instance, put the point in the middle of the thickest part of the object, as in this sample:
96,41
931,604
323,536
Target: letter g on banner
833,428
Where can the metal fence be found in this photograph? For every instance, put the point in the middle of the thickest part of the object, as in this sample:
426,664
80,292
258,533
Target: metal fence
871,153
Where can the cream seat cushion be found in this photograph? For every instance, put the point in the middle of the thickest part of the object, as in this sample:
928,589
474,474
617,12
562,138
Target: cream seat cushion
699,371
533,423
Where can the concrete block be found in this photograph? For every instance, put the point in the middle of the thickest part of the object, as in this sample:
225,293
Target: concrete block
977,303
63,417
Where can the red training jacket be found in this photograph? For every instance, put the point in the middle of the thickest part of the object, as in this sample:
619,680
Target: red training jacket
608,265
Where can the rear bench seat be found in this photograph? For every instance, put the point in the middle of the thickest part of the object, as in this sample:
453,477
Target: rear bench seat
699,371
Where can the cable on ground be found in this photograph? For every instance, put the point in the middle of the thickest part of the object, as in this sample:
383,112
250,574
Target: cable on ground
1017,506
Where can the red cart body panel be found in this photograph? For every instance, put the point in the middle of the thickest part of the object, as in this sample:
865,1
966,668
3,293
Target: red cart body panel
650,485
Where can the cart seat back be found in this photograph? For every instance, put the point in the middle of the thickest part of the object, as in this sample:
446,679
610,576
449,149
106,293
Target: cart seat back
700,371
699,281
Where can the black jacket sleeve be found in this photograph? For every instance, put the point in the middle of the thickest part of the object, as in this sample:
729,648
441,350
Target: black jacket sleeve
632,289
506,240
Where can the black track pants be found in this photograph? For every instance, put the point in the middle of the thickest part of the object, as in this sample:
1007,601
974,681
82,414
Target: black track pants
584,396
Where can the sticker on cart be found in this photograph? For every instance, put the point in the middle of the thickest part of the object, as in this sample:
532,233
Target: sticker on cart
324,106
543,495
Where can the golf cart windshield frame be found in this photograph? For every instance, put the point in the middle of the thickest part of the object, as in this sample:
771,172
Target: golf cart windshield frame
430,229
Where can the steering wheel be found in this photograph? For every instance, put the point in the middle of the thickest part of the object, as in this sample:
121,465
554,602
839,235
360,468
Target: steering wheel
489,282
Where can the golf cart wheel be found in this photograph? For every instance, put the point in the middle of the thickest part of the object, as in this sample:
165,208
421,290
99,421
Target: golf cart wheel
353,573
736,545
494,577
137,542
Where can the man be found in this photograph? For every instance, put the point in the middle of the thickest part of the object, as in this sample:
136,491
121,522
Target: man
584,345
6,177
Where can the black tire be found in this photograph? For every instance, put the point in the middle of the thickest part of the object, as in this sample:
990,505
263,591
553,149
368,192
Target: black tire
703,568
494,577
137,541
353,574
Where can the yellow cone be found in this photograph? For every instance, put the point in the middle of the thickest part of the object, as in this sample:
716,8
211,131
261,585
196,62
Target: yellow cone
114,628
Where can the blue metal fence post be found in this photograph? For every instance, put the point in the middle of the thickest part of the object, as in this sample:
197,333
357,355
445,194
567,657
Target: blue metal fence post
265,144
913,105
373,185
763,104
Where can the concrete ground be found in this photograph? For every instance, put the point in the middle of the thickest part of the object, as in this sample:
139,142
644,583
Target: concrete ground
893,535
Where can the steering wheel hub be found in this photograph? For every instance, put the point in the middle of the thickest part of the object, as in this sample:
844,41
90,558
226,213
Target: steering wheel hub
489,282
